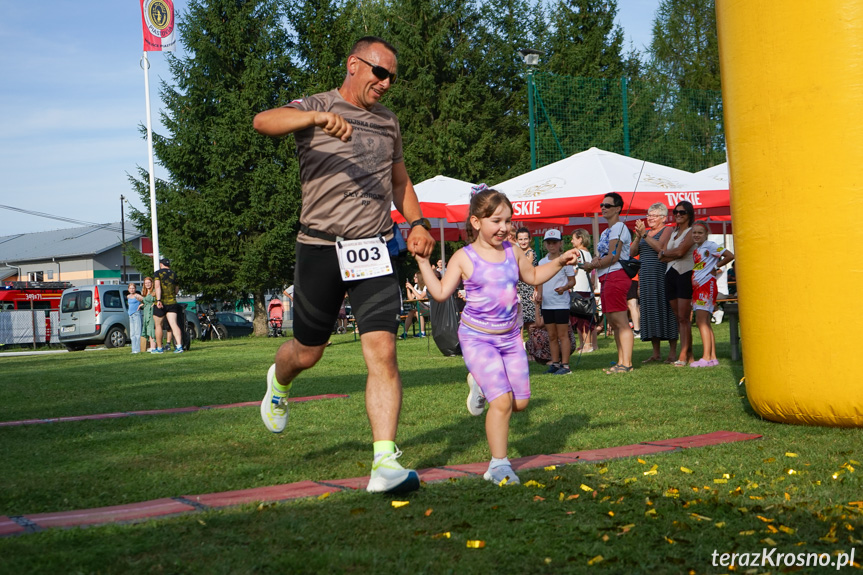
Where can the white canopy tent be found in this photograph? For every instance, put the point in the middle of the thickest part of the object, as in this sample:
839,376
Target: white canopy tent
575,186
718,173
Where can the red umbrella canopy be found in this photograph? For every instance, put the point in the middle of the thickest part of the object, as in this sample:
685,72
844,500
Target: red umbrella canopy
434,194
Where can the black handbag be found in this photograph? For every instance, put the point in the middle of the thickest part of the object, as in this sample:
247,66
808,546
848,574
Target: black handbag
580,306
630,266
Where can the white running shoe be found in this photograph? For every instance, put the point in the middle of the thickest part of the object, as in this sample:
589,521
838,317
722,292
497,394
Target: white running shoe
274,407
501,472
388,476
475,399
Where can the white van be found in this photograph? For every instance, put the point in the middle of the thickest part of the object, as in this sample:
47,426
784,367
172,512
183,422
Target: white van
94,314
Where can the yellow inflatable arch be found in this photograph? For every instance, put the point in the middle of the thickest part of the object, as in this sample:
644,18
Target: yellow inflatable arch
792,83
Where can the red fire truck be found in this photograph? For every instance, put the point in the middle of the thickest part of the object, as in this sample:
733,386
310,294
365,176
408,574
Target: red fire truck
33,296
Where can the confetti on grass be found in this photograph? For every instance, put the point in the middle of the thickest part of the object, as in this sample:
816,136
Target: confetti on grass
398,504
475,544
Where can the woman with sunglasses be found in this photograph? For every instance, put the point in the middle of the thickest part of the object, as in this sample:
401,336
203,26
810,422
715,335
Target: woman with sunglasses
676,251
614,245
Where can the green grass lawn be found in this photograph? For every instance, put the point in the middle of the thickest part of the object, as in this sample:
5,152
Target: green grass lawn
797,490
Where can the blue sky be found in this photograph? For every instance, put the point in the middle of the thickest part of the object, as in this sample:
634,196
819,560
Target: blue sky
72,97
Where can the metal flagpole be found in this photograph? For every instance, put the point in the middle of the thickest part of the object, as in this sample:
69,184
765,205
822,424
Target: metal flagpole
154,220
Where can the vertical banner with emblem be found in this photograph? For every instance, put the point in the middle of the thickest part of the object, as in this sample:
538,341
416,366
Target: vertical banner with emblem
157,17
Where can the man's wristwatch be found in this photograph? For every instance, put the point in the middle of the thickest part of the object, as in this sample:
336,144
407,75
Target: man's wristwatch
424,222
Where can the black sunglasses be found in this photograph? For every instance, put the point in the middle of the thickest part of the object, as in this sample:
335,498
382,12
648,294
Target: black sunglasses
380,72
608,206
678,212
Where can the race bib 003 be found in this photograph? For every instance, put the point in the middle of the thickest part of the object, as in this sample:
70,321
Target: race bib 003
361,259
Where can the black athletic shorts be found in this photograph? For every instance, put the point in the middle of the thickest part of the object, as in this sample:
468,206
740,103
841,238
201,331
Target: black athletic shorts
558,316
167,308
319,291
677,285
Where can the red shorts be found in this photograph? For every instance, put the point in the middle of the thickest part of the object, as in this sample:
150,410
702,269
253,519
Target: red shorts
704,297
615,287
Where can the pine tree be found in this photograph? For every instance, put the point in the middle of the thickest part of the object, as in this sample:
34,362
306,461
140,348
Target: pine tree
579,98
507,27
228,210
585,41
685,57
685,47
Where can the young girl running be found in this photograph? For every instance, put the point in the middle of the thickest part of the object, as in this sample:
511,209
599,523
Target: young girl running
708,258
489,333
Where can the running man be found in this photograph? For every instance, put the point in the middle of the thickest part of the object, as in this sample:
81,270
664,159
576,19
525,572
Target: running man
351,169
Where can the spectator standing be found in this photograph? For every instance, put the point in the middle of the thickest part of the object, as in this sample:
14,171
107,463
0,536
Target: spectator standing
613,246
658,322
134,300
709,258
289,293
526,292
677,251
148,326
584,287
416,292
166,305
554,301
351,170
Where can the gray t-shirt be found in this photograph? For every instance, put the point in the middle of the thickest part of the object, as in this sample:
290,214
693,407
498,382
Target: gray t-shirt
347,186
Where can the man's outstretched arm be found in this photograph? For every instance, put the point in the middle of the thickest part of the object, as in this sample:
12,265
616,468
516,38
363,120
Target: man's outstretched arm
283,121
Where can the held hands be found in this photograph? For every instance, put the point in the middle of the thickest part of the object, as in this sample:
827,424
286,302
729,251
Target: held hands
333,125
639,227
420,243
569,258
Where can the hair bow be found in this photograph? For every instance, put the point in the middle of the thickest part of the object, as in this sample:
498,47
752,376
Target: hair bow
474,190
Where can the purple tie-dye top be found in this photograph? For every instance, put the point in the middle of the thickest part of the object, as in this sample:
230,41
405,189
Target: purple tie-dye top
491,292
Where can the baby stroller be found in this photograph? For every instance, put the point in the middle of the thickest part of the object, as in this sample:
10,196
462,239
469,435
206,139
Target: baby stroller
275,314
